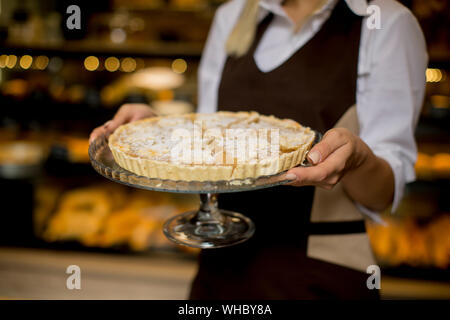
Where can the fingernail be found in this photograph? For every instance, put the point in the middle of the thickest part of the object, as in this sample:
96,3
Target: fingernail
314,157
291,176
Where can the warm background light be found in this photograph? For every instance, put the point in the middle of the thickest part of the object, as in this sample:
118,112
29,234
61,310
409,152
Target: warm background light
3,60
112,64
41,62
435,75
179,65
128,65
11,61
91,63
26,61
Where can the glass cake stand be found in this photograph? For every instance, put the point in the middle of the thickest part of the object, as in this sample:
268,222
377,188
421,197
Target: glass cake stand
207,227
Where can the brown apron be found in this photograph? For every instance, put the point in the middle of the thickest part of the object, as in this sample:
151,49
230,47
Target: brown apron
316,86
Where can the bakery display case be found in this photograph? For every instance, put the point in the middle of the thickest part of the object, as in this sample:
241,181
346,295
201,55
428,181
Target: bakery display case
107,216
56,85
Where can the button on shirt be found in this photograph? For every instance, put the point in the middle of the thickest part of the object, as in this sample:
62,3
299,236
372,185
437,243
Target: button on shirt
391,72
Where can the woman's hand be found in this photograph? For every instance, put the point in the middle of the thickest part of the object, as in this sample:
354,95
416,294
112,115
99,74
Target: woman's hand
338,152
343,156
127,113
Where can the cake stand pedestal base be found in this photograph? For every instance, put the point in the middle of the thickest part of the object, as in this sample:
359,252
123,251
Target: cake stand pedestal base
209,227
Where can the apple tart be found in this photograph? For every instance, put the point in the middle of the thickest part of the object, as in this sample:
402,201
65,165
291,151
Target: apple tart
210,147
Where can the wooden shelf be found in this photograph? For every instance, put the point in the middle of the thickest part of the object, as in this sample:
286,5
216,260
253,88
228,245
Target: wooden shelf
91,47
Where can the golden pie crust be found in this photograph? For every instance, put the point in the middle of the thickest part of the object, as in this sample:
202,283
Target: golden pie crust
143,147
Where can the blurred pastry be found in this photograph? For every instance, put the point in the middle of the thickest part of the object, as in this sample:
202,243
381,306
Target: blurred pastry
80,213
109,215
45,200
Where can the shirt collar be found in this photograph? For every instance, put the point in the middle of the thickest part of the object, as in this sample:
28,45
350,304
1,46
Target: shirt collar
359,7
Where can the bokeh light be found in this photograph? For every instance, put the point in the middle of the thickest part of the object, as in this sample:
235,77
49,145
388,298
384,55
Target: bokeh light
26,62
11,61
41,62
128,65
112,64
179,66
91,63
435,75
3,60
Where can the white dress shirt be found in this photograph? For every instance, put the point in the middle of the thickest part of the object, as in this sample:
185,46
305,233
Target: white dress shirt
391,72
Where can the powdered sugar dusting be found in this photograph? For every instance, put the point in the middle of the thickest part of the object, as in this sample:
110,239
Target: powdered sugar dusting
155,139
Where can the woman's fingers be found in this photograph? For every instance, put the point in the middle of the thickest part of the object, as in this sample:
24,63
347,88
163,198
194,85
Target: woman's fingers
111,125
326,174
142,111
96,133
331,141
127,113
304,176
106,129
